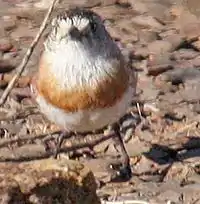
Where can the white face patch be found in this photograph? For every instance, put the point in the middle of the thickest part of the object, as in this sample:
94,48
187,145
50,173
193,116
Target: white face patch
64,25
80,23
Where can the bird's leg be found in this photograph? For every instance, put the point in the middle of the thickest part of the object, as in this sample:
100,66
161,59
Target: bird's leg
59,141
125,170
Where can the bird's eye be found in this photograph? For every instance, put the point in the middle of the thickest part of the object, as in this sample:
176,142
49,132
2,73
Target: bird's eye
93,26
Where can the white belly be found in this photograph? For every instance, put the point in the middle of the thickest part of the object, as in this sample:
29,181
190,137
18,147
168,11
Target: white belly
86,120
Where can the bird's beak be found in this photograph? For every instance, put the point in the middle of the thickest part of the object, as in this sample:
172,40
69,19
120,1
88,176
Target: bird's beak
75,33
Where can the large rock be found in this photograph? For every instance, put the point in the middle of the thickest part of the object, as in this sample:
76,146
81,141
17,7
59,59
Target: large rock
47,181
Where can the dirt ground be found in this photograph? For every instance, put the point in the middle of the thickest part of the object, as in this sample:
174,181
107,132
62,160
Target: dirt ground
161,129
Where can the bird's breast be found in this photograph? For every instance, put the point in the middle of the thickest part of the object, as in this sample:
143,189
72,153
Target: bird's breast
106,91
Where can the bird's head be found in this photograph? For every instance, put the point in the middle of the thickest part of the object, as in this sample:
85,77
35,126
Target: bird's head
79,25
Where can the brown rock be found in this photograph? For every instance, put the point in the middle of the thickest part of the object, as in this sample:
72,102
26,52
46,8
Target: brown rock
175,39
159,47
24,33
47,181
9,23
158,64
5,45
6,66
196,62
146,22
177,172
146,36
184,54
191,30
158,69
141,53
196,45
193,6
108,2
139,6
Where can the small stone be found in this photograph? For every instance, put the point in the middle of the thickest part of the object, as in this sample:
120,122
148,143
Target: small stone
6,66
184,54
159,47
196,45
177,172
43,4
141,53
158,69
9,56
196,62
108,2
146,36
193,187
150,92
24,33
145,135
169,195
191,30
146,22
9,23
139,7
178,75
5,45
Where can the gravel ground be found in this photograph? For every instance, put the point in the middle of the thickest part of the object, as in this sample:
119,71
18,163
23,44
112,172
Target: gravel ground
161,130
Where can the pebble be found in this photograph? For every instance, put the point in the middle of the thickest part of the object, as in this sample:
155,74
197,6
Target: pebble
196,45
177,172
158,69
9,23
147,36
5,45
191,30
10,55
191,91
159,47
145,135
24,33
6,66
141,53
169,195
184,54
139,7
146,22
196,62
178,75
193,187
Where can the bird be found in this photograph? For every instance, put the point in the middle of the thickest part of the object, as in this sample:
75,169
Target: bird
83,82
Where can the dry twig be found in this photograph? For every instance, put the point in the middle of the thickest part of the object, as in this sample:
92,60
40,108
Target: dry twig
23,139
27,56
88,141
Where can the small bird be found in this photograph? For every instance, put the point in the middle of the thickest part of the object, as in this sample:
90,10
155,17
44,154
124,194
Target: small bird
83,82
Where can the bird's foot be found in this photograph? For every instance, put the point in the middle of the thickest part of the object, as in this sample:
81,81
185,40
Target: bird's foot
123,171
120,172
